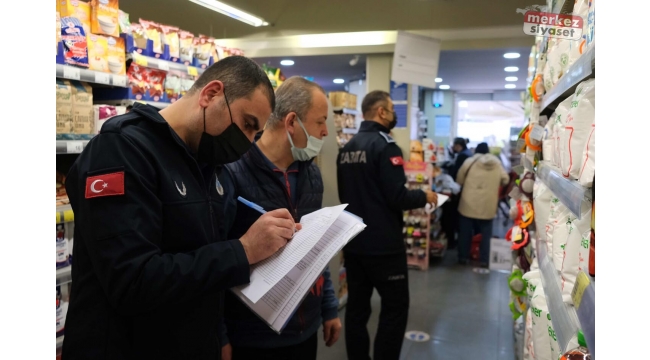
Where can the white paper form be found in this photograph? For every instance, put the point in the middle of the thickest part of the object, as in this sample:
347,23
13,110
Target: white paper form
267,273
279,303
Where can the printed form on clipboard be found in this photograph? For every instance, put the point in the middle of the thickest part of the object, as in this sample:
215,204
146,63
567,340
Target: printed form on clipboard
280,283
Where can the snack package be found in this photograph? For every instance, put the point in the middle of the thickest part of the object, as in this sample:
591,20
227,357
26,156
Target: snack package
561,228
98,52
579,232
561,115
156,84
82,108
138,80
202,50
186,84
578,127
124,22
170,38
61,247
550,62
102,113
550,225
104,17
542,196
75,46
186,46
76,9
576,48
116,56
544,340
139,36
588,166
58,31
173,85
548,142
63,107
152,32
529,351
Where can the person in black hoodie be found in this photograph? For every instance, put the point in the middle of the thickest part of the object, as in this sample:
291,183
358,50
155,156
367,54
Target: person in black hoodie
278,173
151,262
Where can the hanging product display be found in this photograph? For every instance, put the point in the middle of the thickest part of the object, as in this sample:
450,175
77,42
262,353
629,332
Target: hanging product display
417,222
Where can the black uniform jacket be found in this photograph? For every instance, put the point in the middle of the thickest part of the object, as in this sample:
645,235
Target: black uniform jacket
371,180
150,262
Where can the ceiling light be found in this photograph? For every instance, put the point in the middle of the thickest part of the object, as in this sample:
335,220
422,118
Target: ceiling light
511,78
438,80
339,81
532,68
444,87
232,12
286,62
511,55
511,69
510,86
463,104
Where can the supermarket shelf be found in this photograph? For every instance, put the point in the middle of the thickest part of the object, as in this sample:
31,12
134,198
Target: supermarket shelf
64,214
582,69
565,320
59,341
346,110
164,65
74,73
70,146
64,275
127,102
352,131
587,315
570,192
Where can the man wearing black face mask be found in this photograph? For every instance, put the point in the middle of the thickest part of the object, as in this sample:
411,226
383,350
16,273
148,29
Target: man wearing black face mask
371,180
152,260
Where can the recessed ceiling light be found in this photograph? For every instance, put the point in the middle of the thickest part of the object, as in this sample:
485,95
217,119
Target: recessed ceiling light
339,81
287,62
444,87
438,80
463,104
511,69
511,78
232,12
511,55
510,86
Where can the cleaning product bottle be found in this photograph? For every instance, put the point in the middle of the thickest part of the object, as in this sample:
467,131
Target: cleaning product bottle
579,353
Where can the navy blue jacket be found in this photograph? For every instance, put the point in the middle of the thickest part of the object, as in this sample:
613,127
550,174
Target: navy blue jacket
253,178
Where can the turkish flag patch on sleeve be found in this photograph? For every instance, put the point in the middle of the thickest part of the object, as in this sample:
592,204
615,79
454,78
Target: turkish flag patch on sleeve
397,161
105,185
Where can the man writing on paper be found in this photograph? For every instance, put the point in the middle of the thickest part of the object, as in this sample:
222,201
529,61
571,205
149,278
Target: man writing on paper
371,180
150,265
278,173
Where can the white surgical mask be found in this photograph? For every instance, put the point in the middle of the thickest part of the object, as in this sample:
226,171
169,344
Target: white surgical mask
313,146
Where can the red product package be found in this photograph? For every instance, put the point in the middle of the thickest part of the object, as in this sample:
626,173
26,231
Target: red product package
138,80
156,84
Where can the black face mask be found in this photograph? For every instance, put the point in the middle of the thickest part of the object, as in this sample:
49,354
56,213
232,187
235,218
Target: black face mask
393,123
227,147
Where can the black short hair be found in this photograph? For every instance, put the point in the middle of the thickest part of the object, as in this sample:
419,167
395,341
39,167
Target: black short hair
461,142
240,77
371,100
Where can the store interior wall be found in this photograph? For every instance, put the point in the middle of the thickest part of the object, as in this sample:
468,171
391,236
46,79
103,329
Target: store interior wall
447,109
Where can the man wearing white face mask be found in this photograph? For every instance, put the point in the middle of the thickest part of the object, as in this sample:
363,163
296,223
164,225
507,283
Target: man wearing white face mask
278,172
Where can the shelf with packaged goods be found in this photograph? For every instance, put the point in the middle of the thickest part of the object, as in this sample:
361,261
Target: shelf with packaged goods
569,192
564,318
583,68
584,299
352,131
70,146
64,275
64,214
69,72
153,63
127,102
346,110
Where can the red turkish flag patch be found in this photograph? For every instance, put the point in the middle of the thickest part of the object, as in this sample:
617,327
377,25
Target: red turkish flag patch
397,161
105,185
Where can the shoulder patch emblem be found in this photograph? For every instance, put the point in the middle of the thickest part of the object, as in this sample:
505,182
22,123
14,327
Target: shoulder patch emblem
397,161
388,138
105,185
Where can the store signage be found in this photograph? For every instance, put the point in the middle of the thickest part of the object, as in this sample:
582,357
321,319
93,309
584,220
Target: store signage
561,26
415,60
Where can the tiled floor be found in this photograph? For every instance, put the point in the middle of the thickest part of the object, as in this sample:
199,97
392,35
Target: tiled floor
465,313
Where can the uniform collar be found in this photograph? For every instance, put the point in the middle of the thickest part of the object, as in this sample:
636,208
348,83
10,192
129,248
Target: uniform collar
371,126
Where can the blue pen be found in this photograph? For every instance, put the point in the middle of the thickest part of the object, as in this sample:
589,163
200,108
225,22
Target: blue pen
255,207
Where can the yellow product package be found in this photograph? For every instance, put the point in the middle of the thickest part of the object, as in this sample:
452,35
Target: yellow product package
98,52
104,17
58,31
202,50
116,57
83,114
170,38
152,32
77,9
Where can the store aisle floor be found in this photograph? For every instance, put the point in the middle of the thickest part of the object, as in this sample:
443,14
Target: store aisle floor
465,313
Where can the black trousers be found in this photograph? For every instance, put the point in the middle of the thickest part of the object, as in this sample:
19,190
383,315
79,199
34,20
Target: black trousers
389,275
306,350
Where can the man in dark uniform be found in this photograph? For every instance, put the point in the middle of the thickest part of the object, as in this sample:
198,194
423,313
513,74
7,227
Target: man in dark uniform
371,180
151,261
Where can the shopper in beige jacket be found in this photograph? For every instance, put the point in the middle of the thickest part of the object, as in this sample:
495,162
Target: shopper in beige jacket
480,177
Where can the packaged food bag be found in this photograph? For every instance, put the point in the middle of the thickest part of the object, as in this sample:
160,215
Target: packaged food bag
153,32
173,85
156,84
541,335
529,350
542,196
579,231
69,233
588,168
82,108
548,142
186,43
103,113
61,247
124,22
61,308
581,9
63,107
75,46
561,114
202,50
76,9
170,38
577,127
116,56
561,227
98,52
104,17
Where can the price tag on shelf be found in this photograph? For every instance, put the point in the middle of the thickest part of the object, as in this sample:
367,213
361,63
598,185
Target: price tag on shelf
140,60
163,65
119,80
74,147
537,133
582,281
72,73
102,78
192,71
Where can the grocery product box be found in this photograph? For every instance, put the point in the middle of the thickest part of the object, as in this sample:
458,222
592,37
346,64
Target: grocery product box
338,99
98,52
116,56
105,112
63,107
143,84
82,109
351,101
104,17
76,9
74,43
